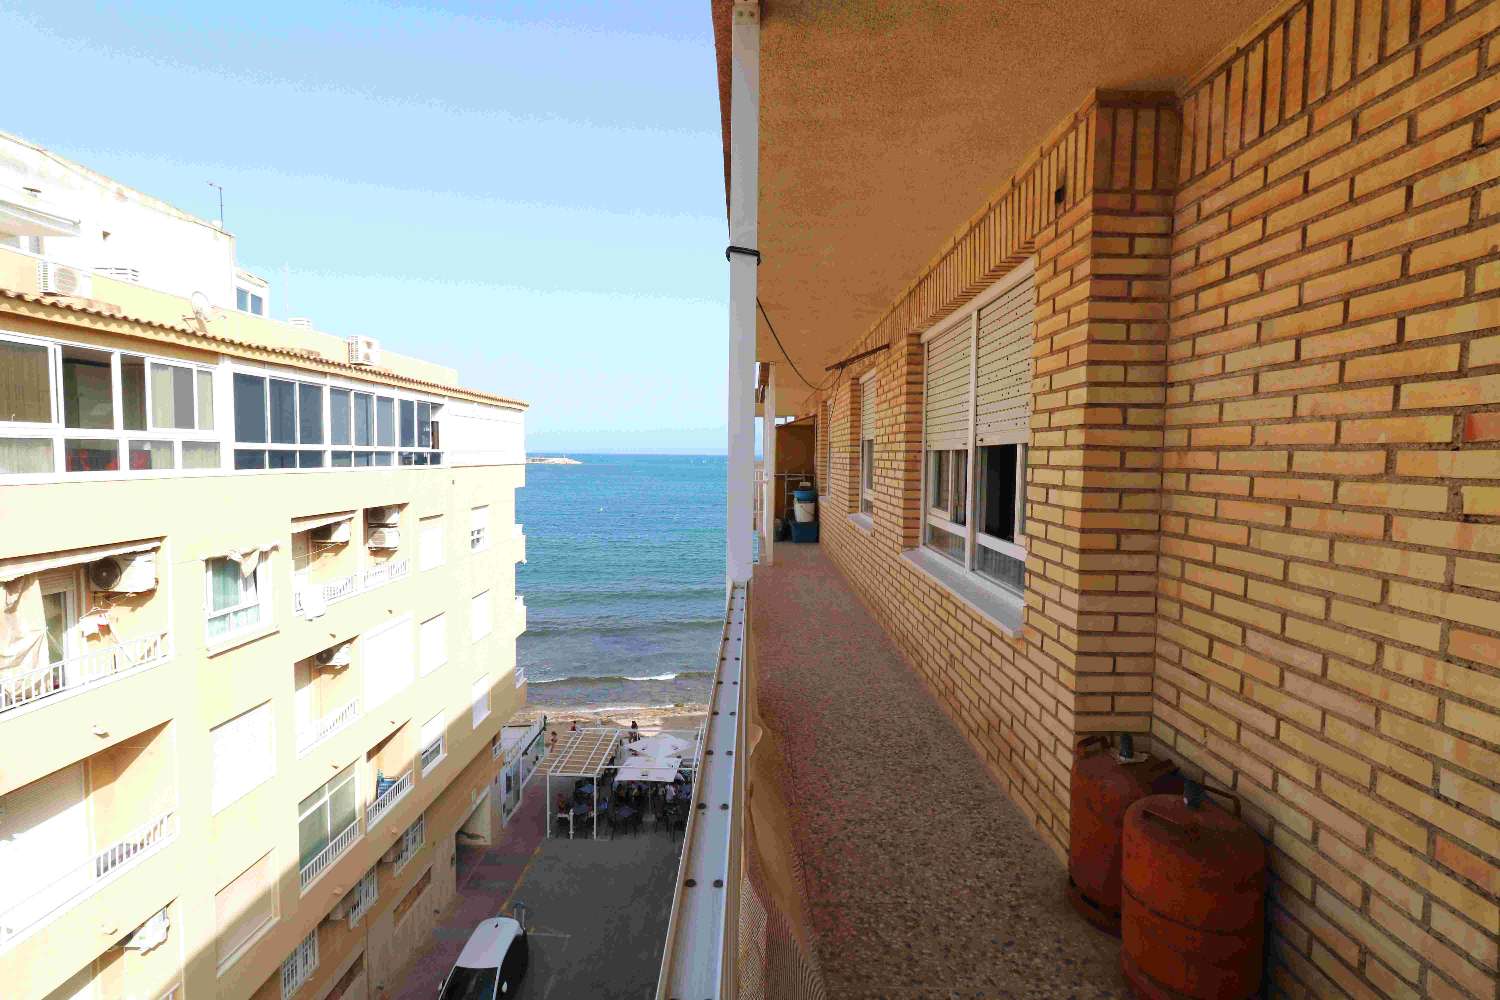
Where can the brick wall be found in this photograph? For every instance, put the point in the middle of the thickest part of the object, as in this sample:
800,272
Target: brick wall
1329,579
1265,477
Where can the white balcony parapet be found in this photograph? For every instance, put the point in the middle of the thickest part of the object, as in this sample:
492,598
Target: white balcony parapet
388,798
69,888
72,675
318,730
334,591
321,861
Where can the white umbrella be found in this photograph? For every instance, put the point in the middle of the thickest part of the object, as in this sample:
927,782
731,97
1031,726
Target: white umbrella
660,745
659,769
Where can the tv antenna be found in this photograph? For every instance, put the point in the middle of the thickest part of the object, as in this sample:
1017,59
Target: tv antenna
220,189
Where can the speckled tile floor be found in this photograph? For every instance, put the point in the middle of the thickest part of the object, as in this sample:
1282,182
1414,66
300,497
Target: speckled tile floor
923,880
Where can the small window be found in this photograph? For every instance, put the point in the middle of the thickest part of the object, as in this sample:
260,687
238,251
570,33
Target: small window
479,529
481,698
283,412
236,600
243,755
339,413
434,643
25,383
88,389
249,409
480,615
364,418
430,543
242,300
385,422
408,425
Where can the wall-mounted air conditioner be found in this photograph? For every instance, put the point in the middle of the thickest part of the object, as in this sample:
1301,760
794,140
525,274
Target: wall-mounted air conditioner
383,517
335,656
384,538
53,278
128,574
341,909
337,533
364,351
391,854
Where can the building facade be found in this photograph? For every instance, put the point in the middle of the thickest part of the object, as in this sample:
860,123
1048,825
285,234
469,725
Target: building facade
258,640
1183,425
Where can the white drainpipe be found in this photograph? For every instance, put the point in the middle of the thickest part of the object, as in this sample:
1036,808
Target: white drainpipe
768,453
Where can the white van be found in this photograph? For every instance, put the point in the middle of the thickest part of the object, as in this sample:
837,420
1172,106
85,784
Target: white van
493,963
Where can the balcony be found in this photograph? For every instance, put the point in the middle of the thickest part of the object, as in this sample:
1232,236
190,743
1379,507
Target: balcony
24,688
520,614
393,793
318,730
305,599
71,887
325,858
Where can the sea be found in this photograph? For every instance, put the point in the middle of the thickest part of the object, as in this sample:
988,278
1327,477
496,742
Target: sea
623,580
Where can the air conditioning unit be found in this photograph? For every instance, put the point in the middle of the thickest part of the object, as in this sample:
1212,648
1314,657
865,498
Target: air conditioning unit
337,533
129,574
335,656
300,322
383,517
128,274
53,278
394,852
341,909
384,538
364,351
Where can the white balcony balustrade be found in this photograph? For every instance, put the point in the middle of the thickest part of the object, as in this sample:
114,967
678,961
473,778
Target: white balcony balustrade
310,599
393,793
379,576
70,887
21,688
318,730
321,861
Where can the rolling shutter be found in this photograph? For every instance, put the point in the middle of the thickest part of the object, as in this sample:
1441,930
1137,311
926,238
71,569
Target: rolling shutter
946,400
1006,330
44,848
243,907
389,662
867,410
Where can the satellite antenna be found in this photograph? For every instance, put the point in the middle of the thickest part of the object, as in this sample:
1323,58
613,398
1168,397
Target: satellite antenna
201,308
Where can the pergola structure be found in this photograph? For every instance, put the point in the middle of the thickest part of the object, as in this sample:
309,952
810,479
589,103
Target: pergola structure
588,753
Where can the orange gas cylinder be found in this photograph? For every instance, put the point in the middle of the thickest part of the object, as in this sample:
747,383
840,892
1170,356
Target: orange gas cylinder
1105,783
1193,912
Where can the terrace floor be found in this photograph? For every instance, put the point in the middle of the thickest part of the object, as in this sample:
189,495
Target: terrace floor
923,879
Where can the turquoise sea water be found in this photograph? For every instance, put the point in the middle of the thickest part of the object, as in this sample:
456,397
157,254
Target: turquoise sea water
624,579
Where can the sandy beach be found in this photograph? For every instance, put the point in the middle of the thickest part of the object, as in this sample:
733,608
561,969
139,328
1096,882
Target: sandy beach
675,717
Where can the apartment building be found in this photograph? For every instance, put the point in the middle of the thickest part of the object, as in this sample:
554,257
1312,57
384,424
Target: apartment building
1153,356
258,640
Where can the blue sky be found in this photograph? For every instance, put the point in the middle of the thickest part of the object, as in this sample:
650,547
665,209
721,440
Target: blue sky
533,196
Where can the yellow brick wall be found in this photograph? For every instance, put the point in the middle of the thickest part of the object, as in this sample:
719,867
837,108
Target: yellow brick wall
1264,488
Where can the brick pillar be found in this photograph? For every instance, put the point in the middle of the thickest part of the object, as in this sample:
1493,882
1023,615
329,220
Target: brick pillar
1095,464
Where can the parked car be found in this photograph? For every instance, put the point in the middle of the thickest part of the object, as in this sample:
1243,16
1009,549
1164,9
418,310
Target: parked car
493,963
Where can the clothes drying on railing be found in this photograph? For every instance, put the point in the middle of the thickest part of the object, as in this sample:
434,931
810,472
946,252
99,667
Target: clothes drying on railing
383,784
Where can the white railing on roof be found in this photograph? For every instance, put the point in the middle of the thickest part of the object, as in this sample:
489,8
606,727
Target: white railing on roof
388,798
318,730
70,887
323,859
702,931
72,675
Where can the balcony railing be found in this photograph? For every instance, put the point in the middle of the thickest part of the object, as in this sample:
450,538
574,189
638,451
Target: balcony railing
431,753
70,676
318,730
72,886
328,855
388,798
520,619
342,589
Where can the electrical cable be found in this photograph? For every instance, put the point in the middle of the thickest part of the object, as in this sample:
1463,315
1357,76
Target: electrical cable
815,387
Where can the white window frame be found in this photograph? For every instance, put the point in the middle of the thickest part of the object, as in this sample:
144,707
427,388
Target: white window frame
221,800
480,628
53,429
427,529
440,741
299,965
477,716
424,667
325,799
479,528
943,519
262,576
866,456
250,295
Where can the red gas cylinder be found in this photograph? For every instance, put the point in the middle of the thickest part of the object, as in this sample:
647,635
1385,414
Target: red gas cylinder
1193,912
1105,783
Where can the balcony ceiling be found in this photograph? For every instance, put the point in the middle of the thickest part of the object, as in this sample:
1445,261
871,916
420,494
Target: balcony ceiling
886,125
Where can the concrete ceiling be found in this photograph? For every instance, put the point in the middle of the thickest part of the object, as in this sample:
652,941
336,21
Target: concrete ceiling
886,124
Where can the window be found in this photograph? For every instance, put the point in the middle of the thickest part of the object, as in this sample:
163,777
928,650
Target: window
244,755
237,600
366,893
479,528
430,545
480,615
247,301
434,643
867,446
431,742
411,842
976,420
63,404
389,662
327,815
284,414
481,694
299,965
25,244
419,431
243,908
